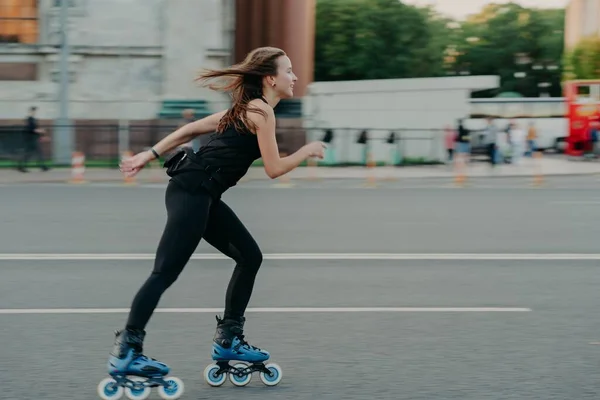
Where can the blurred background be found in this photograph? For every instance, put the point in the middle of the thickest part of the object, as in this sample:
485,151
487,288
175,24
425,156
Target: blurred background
445,248
383,81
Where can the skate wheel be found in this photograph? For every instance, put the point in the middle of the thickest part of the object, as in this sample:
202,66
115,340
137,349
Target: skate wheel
139,393
211,378
173,391
276,375
108,389
240,380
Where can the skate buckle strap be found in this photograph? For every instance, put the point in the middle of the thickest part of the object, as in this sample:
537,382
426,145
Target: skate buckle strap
245,344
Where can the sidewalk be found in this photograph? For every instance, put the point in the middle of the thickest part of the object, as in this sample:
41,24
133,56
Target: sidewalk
546,167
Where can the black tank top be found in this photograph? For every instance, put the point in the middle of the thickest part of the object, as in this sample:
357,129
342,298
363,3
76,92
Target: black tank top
222,161
230,154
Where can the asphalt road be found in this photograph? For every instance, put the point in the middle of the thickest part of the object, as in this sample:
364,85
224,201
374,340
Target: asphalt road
320,217
543,353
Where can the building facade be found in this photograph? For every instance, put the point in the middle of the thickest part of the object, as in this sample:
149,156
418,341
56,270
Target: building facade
287,24
582,20
137,59
133,62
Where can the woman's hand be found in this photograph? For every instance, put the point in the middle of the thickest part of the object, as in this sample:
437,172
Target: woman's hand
316,149
131,166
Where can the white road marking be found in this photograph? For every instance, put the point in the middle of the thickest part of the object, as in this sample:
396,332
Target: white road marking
307,256
577,202
21,311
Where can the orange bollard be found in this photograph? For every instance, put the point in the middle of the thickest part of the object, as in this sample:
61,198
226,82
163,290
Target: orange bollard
460,177
128,180
371,179
312,169
538,176
284,181
77,167
390,167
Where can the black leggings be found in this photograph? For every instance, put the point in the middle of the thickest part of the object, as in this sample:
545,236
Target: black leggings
191,217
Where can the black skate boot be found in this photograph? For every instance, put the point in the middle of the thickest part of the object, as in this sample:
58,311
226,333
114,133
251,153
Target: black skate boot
229,345
127,356
133,372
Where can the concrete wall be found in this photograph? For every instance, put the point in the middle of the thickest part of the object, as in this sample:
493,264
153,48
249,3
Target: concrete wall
417,109
127,56
196,37
106,23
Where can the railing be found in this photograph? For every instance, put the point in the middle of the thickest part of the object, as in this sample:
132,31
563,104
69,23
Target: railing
103,144
354,146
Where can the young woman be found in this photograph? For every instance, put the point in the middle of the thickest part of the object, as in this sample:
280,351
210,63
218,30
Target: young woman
242,134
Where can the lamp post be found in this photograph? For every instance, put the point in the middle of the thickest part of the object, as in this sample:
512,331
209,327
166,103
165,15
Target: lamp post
62,138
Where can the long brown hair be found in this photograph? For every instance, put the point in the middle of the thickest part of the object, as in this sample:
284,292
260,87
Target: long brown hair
244,82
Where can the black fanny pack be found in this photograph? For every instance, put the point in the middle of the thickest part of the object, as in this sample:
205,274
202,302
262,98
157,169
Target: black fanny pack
192,172
177,162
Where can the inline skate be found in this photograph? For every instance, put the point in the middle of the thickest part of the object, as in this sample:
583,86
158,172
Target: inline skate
229,345
133,373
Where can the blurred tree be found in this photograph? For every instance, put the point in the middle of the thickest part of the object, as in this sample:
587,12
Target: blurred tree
441,48
375,39
583,62
523,46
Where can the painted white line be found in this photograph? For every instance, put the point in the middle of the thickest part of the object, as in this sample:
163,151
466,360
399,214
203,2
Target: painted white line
577,202
265,310
308,256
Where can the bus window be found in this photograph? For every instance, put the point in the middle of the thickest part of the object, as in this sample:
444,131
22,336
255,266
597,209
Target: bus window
476,110
493,110
583,94
595,92
548,109
557,109
541,109
484,110
517,110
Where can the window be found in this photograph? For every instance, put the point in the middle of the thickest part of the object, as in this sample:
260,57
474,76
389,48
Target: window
18,21
557,109
18,71
584,94
486,109
548,109
517,110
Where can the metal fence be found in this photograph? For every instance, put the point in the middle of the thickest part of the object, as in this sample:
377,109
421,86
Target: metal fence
355,146
103,144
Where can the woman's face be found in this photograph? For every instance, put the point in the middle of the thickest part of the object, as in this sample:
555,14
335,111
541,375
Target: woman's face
285,79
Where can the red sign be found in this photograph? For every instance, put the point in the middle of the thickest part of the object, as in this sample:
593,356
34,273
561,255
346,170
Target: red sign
583,108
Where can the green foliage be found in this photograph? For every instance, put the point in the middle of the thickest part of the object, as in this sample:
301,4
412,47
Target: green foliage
381,39
523,46
583,62
372,39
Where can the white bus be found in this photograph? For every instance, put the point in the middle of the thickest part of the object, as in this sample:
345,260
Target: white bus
548,114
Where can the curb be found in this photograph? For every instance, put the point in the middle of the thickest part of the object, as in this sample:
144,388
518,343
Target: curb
411,178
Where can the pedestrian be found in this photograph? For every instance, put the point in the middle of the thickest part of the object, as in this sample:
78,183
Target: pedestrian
33,135
449,138
240,135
